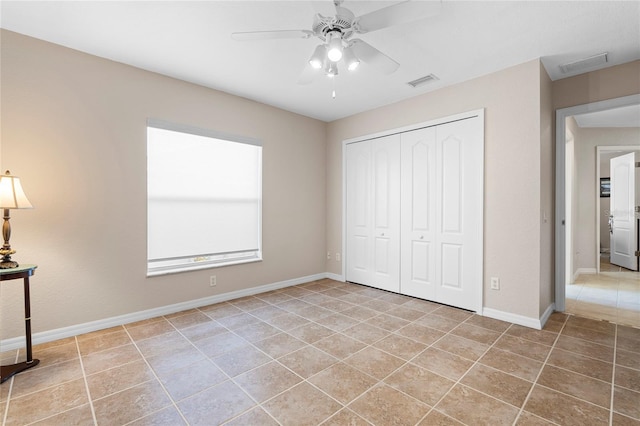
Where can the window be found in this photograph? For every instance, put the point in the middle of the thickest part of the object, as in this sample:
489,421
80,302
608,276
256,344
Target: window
204,198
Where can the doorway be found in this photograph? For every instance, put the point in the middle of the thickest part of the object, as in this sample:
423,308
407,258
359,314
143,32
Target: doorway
610,292
567,225
604,220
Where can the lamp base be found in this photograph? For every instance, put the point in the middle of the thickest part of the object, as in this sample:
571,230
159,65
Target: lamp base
5,262
8,371
8,264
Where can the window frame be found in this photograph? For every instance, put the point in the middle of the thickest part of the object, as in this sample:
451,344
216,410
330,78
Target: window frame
203,260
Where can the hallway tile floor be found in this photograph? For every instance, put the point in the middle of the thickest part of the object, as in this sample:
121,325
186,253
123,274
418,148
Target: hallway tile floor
332,353
612,295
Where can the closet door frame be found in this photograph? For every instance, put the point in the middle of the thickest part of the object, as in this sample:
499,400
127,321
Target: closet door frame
480,214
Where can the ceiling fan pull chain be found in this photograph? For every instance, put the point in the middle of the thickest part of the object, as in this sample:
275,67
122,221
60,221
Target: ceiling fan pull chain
333,81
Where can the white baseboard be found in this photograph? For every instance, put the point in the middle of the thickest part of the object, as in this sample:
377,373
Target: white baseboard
586,271
74,330
546,314
335,277
575,277
513,318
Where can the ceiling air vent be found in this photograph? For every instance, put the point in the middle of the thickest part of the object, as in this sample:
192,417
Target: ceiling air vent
423,80
584,64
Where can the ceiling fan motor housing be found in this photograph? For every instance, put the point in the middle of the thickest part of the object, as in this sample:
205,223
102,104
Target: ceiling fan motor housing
342,22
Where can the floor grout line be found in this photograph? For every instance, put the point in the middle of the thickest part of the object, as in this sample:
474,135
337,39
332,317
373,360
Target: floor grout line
86,383
608,282
535,381
384,297
9,394
465,373
613,377
155,376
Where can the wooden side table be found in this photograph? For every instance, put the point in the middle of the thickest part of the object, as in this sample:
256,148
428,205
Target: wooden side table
24,272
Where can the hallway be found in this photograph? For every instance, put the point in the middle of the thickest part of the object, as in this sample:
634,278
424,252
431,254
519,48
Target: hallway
612,295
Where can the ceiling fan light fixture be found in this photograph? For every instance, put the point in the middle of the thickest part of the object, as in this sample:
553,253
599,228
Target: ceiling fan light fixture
331,69
350,59
317,59
335,46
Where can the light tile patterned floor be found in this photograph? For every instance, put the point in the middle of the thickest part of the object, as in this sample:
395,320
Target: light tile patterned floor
612,295
334,354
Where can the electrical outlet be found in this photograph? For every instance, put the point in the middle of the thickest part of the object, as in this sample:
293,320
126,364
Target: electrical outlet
337,257
212,281
495,283
328,255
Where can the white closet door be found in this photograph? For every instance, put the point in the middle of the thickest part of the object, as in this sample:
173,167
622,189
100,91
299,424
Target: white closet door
459,171
414,212
386,211
418,207
373,213
359,215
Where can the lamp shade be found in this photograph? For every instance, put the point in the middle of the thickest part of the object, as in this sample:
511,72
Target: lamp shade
318,57
335,46
11,194
350,59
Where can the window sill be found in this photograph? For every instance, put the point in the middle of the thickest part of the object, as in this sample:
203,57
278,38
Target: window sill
197,267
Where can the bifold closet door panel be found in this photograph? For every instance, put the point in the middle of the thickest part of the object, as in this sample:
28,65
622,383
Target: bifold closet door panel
386,213
359,215
418,213
373,213
459,207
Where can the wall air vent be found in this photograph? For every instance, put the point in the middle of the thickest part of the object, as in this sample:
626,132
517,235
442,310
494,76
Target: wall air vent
584,64
423,80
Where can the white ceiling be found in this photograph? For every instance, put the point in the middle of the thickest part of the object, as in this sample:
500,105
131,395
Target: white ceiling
191,41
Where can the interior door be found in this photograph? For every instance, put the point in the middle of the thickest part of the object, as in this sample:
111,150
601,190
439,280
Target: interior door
623,223
418,206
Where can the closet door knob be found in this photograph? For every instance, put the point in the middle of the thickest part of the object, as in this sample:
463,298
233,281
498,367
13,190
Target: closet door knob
422,237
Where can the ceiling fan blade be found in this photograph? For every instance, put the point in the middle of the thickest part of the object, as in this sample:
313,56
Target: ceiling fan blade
396,14
270,35
308,75
372,56
324,7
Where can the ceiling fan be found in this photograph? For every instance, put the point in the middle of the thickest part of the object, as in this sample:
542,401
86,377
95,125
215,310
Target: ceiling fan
336,34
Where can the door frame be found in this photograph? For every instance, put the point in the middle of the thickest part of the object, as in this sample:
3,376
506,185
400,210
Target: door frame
442,120
560,211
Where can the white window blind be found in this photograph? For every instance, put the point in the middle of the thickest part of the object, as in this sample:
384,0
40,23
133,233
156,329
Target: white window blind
204,198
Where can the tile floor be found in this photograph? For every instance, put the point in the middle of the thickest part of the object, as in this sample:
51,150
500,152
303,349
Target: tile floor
334,354
612,295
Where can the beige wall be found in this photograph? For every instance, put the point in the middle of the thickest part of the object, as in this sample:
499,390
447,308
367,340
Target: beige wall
74,130
609,83
586,141
512,200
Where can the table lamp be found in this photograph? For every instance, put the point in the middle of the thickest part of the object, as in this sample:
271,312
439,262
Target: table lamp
11,197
